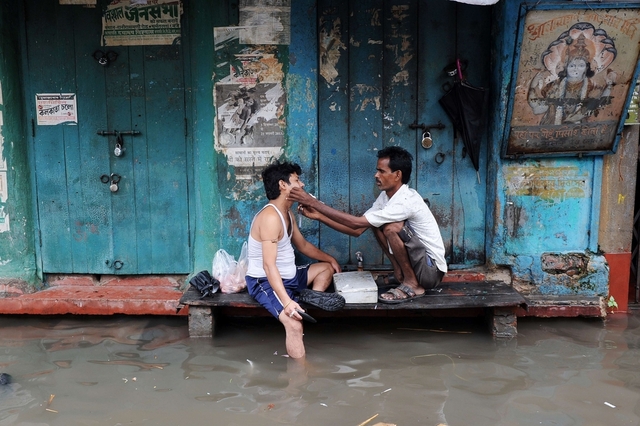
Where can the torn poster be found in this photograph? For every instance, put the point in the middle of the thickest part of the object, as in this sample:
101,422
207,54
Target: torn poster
224,36
265,21
137,23
249,125
56,108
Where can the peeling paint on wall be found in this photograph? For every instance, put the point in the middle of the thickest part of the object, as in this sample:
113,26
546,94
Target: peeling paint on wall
399,12
4,217
561,274
548,183
375,17
402,48
363,89
565,263
401,78
329,46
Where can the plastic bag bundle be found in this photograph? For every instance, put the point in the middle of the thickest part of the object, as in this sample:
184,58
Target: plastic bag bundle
205,283
230,272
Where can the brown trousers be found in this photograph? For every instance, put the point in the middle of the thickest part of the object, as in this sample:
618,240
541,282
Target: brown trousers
428,274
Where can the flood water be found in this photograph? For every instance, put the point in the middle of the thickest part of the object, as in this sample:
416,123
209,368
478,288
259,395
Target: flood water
146,371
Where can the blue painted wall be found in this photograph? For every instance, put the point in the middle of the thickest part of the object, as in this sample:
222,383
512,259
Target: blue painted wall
17,250
549,240
224,206
547,237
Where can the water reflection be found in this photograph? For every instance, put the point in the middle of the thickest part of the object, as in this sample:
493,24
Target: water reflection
146,370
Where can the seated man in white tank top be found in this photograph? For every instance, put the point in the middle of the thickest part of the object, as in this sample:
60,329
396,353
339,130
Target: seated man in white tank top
273,278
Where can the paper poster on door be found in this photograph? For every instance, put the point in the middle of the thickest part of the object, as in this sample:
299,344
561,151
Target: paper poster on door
56,108
249,125
141,23
265,21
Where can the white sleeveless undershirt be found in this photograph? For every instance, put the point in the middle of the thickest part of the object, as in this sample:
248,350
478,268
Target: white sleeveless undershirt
285,259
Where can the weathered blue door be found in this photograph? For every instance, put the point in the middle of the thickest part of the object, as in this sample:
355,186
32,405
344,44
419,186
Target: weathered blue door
382,69
98,212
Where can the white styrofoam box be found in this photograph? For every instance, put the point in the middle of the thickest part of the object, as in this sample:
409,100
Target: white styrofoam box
356,287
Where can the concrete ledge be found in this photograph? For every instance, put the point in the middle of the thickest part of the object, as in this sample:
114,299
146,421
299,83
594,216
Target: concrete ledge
57,280
564,306
95,300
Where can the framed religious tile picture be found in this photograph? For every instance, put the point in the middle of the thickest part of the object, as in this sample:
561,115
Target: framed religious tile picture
575,73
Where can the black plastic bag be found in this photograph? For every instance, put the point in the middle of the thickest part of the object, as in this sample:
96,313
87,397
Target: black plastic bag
205,283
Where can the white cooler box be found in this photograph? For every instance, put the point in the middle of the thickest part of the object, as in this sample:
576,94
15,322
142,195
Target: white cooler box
356,287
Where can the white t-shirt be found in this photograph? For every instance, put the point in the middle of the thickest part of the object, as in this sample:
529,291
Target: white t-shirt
408,205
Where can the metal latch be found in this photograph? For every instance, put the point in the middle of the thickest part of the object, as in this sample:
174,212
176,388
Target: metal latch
119,148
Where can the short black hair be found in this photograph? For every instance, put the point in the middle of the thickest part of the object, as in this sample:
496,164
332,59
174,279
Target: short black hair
274,173
399,159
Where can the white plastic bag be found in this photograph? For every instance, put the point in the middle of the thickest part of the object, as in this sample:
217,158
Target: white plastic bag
229,272
223,265
243,262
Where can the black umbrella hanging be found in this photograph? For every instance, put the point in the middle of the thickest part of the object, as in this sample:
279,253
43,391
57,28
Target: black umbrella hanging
465,105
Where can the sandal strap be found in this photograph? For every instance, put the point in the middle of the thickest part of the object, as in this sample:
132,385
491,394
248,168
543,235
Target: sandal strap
397,294
401,292
406,290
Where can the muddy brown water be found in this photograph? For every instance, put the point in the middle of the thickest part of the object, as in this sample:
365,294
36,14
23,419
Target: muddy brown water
146,371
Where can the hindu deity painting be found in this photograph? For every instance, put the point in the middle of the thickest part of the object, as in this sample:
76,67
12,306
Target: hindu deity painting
575,70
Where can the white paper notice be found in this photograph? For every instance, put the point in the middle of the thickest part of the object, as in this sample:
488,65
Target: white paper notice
56,108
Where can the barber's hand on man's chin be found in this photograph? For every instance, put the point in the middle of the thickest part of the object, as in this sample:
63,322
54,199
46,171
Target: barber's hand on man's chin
301,196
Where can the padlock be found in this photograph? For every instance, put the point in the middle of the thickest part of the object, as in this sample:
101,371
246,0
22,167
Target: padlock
119,150
427,142
113,187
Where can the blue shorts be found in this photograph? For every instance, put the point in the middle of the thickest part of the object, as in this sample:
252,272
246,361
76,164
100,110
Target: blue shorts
261,291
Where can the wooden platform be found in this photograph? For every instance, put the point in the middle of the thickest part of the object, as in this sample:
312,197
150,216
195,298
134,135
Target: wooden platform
498,300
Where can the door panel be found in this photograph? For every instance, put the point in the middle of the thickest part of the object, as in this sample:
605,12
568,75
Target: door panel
382,69
333,126
84,227
366,66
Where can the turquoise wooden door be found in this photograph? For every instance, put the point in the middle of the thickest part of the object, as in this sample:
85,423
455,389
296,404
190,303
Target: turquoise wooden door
381,68
84,226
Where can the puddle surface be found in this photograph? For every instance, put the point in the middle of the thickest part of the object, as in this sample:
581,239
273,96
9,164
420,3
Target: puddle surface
147,371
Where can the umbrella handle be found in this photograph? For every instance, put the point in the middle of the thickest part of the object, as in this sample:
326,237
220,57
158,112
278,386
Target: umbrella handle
459,68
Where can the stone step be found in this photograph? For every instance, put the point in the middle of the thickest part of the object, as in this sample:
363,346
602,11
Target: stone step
95,300
113,294
176,281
